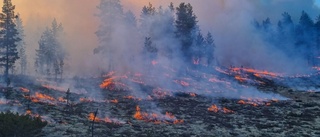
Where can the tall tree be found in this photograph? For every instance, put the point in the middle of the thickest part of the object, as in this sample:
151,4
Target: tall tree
51,55
111,14
305,35
21,46
209,49
9,37
186,25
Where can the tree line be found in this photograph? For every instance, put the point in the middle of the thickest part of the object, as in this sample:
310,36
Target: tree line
296,40
49,57
170,32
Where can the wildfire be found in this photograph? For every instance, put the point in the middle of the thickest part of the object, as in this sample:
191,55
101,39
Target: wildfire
85,100
132,97
258,73
256,102
193,94
156,118
106,119
106,83
91,117
24,90
239,78
41,97
114,101
214,108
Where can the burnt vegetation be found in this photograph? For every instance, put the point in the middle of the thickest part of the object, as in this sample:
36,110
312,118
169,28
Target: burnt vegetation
173,85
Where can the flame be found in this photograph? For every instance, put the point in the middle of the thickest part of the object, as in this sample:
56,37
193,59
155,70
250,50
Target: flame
114,101
193,94
225,110
61,99
138,114
25,90
106,83
85,100
132,97
213,108
168,118
91,117
255,72
39,96
239,78
256,102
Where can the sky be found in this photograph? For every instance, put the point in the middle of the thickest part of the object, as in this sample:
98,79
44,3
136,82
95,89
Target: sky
79,21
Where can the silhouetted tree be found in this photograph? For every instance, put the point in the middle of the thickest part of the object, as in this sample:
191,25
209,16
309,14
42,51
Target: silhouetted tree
21,46
51,55
186,25
209,49
9,37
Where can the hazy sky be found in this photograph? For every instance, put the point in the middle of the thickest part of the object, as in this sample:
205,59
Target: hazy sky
77,17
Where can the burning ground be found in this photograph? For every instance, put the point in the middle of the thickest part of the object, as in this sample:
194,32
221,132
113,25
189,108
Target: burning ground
275,109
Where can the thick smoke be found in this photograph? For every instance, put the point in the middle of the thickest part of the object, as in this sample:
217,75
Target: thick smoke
230,21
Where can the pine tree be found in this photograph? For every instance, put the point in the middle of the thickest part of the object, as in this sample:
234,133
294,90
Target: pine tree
9,37
21,46
186,25
210,48
198,48
51,54
306,38
111,14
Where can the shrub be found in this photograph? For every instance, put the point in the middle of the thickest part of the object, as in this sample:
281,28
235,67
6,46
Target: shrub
15,125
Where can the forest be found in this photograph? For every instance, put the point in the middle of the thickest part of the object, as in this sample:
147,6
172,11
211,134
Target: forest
162,72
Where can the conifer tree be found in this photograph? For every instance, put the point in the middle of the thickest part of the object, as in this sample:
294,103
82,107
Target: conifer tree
186,25
21,46
9,37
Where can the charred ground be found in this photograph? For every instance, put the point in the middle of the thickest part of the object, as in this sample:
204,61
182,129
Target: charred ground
296,116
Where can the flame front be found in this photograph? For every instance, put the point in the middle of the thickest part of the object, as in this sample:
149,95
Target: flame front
156,118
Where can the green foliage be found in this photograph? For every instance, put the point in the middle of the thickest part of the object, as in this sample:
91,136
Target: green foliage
15,125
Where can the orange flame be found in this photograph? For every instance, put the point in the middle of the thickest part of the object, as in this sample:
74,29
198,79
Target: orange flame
25,90
39,96
155,118
106,83
114,101
192,94
213,108
91,117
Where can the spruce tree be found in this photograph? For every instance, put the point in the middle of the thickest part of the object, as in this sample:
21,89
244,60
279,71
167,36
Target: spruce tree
51,54
186,25
210,48
9,37
21,46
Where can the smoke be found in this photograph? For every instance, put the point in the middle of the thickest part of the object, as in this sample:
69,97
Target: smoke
230,21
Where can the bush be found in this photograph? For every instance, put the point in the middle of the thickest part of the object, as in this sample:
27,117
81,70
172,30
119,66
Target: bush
15,125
